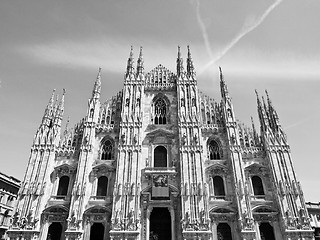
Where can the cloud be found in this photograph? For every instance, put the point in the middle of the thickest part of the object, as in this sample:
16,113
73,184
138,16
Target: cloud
203,29
282,65
110,54
249,25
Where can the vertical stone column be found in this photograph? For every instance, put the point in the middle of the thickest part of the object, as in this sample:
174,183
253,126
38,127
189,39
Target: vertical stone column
214,230
86,229
44,230
173,232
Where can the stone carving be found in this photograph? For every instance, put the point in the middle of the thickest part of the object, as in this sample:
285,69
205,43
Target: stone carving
247,221
72,220
195,139
160,181
26,222
123,138
189,224
184,139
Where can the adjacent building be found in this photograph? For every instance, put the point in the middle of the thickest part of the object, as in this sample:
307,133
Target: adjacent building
9,187
160,160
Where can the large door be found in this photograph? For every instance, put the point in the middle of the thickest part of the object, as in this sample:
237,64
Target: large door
160,224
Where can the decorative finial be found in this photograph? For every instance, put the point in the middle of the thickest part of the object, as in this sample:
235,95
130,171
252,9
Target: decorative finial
189,53
131,52
221,74
140,54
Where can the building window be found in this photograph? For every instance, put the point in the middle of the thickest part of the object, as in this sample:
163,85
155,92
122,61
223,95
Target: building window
214,150
160,112
107,150
257,186
63,186
160,156
102,188
218,186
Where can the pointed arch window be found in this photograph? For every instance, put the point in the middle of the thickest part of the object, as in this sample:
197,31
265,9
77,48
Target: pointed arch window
63,186
160,112
257,186
107,150
215,151
102,187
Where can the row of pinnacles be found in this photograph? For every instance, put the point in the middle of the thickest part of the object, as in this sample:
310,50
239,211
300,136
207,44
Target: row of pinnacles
160,149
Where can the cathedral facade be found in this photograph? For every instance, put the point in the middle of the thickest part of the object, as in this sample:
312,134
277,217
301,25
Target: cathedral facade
160,160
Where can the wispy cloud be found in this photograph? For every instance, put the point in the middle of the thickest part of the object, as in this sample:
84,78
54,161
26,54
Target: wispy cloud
203,29
279,65
107,53
249,26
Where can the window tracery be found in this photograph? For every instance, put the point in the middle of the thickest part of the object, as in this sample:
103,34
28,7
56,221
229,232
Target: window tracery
160,112
107,151
215,152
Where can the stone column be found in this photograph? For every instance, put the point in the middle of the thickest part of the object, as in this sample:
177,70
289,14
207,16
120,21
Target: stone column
149,209
87,228
44,230
173,233
276,230
214,230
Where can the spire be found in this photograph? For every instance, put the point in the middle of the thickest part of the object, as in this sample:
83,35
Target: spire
223,86
190,67
48,112
97,86
67,126
179,63
140,67
264,123
60,109
255,134
130,69
272,113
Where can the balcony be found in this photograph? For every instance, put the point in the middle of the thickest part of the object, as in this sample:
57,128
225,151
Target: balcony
58,199
102,199
258,197
160,170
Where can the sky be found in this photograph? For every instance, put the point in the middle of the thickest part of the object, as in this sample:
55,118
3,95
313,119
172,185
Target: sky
260,44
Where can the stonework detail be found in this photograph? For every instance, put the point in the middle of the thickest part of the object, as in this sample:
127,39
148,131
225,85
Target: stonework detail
160,160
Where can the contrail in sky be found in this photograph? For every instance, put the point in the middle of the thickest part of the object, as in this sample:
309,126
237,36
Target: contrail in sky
203,29
243,32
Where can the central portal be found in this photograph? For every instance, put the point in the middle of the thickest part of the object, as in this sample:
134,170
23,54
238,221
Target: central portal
160,224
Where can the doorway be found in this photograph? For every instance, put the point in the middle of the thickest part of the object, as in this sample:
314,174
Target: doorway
97,231
266,231
160,224
54,231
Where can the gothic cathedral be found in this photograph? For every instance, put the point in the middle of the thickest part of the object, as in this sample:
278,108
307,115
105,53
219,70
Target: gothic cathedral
160,161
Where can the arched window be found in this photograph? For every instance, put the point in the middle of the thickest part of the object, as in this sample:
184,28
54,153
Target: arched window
224,231
160,112
107,151
218,186
160,156
257,185
214,150
63,186
102,188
